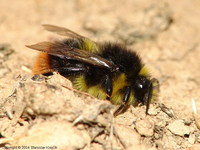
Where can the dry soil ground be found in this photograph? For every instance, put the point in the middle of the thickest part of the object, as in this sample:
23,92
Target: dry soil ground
42,114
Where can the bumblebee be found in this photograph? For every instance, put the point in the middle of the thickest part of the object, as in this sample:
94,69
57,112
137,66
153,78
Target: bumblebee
105,70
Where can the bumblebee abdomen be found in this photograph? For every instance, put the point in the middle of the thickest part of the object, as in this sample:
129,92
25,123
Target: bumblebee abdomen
42,64
80,83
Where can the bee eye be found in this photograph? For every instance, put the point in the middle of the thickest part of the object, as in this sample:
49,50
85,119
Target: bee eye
141,87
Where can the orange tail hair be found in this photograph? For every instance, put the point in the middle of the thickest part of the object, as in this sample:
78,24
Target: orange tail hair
42,64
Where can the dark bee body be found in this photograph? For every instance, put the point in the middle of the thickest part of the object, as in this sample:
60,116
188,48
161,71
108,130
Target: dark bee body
105,70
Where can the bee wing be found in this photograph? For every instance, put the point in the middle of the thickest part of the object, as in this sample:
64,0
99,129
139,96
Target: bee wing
63,51
63,31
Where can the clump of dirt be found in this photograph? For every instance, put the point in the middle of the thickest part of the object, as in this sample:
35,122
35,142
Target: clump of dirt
44,111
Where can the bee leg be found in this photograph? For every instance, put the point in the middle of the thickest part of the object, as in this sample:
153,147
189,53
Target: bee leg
107,85
125,103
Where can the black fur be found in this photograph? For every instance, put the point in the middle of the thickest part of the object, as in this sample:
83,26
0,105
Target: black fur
127,60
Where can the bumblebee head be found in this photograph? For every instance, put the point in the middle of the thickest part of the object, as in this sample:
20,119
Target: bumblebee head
145,90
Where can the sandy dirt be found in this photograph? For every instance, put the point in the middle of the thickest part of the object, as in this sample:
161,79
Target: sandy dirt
46,113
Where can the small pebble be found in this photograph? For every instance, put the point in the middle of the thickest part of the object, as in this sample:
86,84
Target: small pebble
191,139
179,128
145,127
